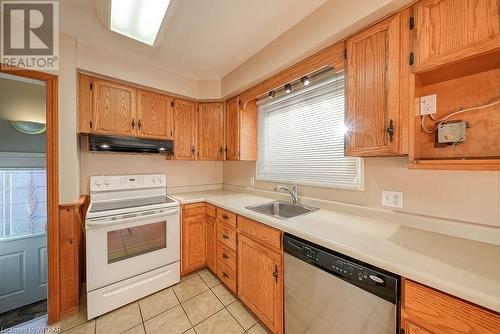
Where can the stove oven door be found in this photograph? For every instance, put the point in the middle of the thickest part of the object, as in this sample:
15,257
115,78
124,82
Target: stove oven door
127,245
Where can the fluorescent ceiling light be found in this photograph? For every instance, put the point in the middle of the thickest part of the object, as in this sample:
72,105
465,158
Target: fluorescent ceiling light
138,19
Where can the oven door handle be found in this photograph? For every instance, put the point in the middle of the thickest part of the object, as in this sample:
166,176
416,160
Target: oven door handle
130,217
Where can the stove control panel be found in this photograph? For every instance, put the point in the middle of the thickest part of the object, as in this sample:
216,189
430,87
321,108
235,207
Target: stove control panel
123,182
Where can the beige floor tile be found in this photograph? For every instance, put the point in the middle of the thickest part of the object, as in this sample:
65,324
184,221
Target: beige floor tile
173,321
119,320
243,315
258,329
220,323
191,331
189,288
188,276
224,295
139,329
202,306
157,303
85,328
209,278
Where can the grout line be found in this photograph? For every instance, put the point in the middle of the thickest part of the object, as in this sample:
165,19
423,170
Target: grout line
142,318
182,308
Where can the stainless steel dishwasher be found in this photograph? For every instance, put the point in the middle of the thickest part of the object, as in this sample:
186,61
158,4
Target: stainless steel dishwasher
327,292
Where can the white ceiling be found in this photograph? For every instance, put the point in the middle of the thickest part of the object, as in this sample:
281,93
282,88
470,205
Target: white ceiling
203,39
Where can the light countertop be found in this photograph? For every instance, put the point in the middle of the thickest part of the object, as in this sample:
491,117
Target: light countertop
464,268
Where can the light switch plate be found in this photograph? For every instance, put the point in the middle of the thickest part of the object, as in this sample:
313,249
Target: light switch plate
392,199
428,104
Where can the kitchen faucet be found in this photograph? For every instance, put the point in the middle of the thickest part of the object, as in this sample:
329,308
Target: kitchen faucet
294,193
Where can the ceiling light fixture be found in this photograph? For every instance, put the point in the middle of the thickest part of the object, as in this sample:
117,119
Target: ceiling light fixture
288,88
138,19
305,80
29,128
271,94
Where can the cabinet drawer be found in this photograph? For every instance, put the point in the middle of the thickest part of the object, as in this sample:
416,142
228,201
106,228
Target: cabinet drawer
438,312
226,235
193,209
226,256
226,216
226,275
211,210
262,233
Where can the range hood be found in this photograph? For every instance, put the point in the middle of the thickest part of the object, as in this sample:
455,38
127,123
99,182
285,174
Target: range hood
129,144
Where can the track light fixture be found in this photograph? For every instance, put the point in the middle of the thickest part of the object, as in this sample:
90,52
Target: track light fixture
271,94
288,88
305,80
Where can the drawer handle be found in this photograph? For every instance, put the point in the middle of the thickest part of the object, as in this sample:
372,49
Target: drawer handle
225,217
225,256
224,275
225,237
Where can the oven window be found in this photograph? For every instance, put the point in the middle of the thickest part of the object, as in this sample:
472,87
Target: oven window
137,240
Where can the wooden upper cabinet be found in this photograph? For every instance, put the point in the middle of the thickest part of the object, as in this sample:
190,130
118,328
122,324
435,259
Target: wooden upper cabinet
193,237
210,131
260,282
241,130
155,115
84,103
114,109
448,31
232,129
373,90
184,130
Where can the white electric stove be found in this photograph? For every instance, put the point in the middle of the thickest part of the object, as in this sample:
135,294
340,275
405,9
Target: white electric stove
132,240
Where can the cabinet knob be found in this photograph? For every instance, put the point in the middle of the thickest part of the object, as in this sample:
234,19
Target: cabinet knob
133,123
225,217
225,237
193,150
275,273
225,256
139,124
225,275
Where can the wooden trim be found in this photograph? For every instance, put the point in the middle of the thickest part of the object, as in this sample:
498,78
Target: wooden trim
332,55
51,107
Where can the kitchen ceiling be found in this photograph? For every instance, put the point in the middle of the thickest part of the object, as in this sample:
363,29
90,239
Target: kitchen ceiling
202,39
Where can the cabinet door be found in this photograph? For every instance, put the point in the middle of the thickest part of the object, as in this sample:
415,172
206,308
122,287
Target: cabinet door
210,131
411,328
451,30
114,109
232,129
184,130
211,243
193,249
155,115
260,282
372,89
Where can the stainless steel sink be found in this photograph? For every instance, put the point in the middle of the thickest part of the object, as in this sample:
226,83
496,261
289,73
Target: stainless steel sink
281,210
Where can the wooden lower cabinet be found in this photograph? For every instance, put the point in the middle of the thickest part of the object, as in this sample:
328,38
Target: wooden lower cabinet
411,328
429,311
260,282
211,243
193,237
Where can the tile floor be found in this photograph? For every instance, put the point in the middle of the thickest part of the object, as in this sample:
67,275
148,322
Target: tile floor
199,304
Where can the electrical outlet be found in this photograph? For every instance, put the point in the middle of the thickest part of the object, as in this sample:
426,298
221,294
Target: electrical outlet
252,181
428,104
392,199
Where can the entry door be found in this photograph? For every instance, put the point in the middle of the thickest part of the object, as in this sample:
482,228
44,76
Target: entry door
23,272
23,245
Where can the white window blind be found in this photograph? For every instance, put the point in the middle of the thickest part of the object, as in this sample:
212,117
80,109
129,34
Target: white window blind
301,138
